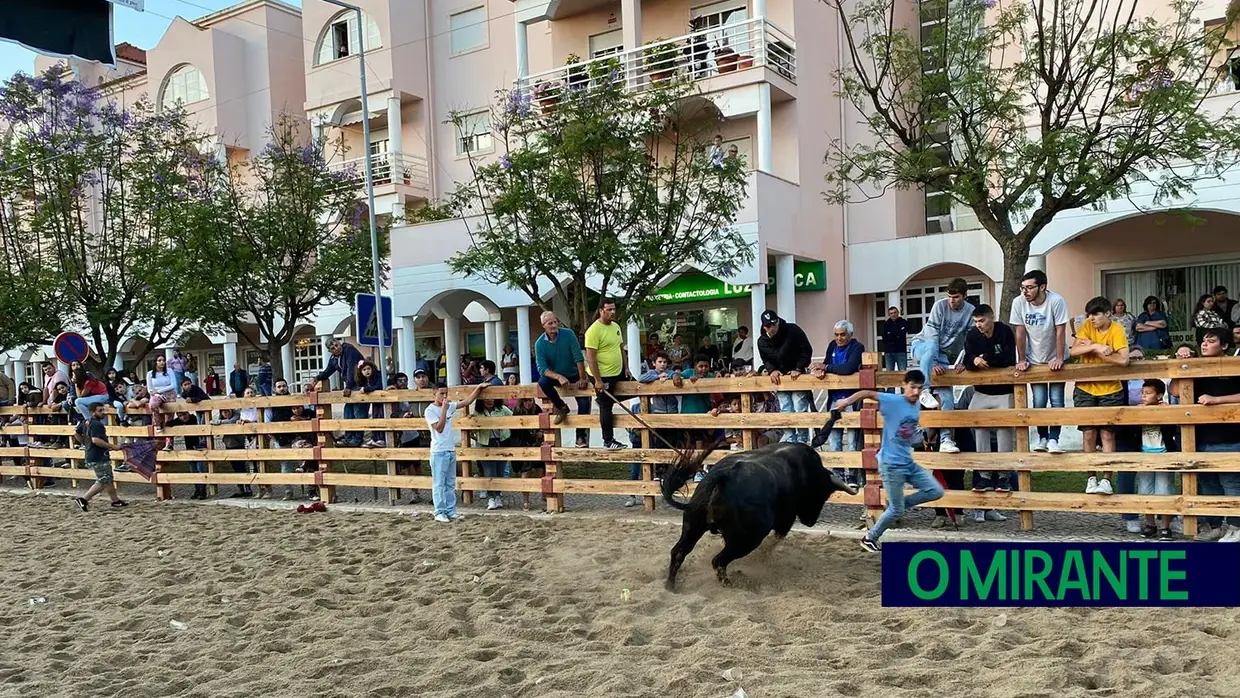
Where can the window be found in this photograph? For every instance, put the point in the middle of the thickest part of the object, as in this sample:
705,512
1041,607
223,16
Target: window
1177,285
724,24
469,30
473,134
307,361
607,44
184,85
915,304
341,39
938,201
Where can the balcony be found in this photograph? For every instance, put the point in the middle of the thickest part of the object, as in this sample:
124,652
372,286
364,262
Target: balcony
393,170
752,51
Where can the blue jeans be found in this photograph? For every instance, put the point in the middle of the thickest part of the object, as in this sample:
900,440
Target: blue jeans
177,377
355,410
443,482
1041,393
491,468
835,444
199,467
1219,484
794,402
926,356
551,388
83,404
894,478
1126,483
895,361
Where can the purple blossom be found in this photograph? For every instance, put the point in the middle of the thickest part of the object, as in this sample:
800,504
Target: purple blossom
518,104
505,162
990,4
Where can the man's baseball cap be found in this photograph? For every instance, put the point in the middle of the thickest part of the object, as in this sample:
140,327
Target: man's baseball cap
769,317
421,371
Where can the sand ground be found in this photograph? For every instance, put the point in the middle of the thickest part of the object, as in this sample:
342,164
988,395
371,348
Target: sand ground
352,604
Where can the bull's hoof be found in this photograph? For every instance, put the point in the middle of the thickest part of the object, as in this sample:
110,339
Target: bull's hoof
723,577
670,585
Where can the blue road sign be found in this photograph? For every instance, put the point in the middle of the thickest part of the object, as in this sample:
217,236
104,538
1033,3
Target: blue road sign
368,322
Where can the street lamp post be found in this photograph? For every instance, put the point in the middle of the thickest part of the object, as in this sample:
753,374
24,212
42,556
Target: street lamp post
370,183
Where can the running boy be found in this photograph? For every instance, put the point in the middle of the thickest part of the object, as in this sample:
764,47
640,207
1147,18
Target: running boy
439,416
97,447
895,457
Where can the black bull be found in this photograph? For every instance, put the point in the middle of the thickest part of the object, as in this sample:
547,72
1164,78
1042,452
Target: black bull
746,496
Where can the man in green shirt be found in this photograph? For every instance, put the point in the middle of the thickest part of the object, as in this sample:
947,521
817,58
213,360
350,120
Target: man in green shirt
605,361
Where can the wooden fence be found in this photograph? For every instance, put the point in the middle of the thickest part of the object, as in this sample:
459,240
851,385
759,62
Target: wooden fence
333,461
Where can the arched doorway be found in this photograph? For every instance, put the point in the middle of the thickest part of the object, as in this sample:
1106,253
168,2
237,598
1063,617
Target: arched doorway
918,294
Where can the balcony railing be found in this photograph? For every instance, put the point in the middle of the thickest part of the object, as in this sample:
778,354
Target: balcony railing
389,168
753,44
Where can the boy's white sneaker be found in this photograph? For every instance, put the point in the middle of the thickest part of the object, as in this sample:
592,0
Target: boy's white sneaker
442,519
992,515
1232,536
979,516
947,445
1091,485
1104,487
1039,446
1052,446
928,400
1133,526
494,503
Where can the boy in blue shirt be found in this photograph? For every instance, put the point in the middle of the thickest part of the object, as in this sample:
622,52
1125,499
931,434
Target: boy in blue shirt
895,457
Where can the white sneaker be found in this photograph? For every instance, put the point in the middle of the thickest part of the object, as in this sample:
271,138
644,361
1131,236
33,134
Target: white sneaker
1207,534
939,522
928,400
992,515
1133,526
1091,486
946,445
1177,526
630,502
494,503
1052,446
979,516
1104,487
1040,446
1232,536
442,519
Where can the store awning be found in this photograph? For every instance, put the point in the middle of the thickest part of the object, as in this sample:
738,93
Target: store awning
62,28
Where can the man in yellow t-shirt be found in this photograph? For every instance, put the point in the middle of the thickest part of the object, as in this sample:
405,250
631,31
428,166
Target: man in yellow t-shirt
605,363
1099,341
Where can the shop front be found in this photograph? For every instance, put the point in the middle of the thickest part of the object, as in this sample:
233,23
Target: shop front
695,306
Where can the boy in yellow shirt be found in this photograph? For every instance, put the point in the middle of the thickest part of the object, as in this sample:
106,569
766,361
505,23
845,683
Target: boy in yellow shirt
1099,341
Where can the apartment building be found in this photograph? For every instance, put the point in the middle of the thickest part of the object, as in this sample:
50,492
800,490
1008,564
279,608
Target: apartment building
767,69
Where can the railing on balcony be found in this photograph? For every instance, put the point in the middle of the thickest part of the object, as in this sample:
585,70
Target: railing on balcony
753,44
389,168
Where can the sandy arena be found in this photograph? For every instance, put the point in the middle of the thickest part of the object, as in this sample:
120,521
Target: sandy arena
339,604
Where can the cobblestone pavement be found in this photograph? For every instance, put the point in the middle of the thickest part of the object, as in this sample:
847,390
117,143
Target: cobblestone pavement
837,519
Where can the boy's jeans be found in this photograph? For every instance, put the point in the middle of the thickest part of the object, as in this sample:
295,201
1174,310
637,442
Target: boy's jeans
1219,484
794,402
835,444
1042,393
83,404
443,482
894,478
926,356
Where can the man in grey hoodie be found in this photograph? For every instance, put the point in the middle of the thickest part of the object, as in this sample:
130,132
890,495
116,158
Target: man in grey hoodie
938,344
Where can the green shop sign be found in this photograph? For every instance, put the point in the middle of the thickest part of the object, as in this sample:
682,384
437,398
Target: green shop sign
696,286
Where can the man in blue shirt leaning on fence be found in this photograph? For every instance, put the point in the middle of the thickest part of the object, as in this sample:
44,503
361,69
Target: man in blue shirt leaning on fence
561,363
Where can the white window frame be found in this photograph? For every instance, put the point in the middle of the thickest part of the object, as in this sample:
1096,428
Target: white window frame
453,31
180,80
723,28
929,292
307,363
459,137
610,46
327,50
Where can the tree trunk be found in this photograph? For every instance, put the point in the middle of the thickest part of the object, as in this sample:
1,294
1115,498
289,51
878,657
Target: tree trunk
273,347
1015,257
578,301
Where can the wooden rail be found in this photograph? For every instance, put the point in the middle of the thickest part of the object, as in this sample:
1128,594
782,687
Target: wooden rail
329,459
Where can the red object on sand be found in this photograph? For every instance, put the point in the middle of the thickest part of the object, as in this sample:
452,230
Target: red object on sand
942,480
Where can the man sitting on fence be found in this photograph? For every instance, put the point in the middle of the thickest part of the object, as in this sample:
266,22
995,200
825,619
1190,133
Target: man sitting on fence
942,337
557,353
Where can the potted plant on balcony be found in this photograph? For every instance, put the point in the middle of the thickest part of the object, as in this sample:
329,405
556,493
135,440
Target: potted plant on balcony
726,58
576,76
744,62
659,59
546,95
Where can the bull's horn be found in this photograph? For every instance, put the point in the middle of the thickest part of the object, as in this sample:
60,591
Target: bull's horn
840,484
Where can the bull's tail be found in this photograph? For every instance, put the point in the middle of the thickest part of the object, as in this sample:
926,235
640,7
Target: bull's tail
681,472
821,437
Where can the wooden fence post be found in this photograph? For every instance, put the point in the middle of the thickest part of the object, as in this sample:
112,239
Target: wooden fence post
1024,478
393,441
1188,444
872,439
647,467
318,437
465,468
552,438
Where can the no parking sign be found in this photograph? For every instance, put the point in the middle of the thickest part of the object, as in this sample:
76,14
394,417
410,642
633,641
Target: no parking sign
70,347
